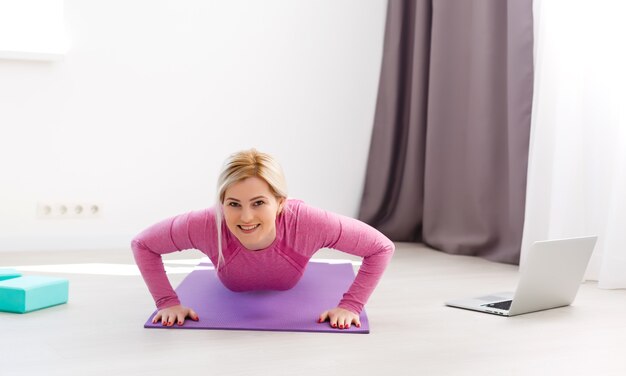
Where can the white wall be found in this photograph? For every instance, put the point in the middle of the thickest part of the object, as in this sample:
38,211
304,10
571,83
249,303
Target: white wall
153,95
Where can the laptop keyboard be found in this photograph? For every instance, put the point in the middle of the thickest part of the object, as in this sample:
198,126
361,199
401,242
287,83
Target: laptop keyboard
505,305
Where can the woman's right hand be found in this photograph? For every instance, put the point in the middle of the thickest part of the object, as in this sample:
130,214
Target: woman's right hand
177,313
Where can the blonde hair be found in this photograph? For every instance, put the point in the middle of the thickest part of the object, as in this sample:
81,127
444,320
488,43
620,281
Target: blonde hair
242,165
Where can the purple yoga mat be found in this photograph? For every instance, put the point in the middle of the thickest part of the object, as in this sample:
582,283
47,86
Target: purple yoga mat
295,310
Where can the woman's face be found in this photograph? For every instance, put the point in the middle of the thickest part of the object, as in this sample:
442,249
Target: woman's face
250,211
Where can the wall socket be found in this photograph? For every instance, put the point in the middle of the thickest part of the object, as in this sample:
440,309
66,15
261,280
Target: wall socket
68,210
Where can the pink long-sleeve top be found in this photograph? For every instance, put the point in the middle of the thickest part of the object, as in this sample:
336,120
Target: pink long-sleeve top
301,230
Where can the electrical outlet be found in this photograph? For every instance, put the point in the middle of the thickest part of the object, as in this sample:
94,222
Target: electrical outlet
68,210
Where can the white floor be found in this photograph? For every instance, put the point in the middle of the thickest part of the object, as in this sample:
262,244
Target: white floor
100,331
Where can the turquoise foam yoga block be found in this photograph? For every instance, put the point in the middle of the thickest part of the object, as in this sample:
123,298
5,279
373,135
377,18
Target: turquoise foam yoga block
25,294
8,274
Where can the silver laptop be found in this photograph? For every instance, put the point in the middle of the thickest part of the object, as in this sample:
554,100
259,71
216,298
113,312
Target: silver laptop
550,277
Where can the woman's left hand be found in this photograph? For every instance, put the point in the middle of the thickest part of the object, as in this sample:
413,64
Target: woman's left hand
340,318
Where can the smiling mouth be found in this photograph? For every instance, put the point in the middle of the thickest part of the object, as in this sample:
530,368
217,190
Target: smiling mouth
248,229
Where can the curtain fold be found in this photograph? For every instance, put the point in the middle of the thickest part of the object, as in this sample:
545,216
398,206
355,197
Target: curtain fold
448,156
391,192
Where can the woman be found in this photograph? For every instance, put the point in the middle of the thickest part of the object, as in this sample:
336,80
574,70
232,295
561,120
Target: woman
260,240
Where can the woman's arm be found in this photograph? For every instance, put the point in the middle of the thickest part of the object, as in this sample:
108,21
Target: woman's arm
351,236
357,238
184,231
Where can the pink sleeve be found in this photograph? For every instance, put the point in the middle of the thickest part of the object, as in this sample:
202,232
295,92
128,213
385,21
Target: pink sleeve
354,237
178,233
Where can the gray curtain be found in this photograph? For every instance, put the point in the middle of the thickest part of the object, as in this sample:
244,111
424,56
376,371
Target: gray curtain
448,156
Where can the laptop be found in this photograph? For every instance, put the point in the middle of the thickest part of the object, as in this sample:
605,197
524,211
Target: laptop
550,277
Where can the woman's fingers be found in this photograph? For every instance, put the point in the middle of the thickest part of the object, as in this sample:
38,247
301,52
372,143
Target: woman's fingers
170,318
180,317
165,318
193,315
340,318
323,317
175,315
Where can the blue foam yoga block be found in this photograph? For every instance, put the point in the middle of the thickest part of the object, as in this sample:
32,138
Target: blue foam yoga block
8,274
25,294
